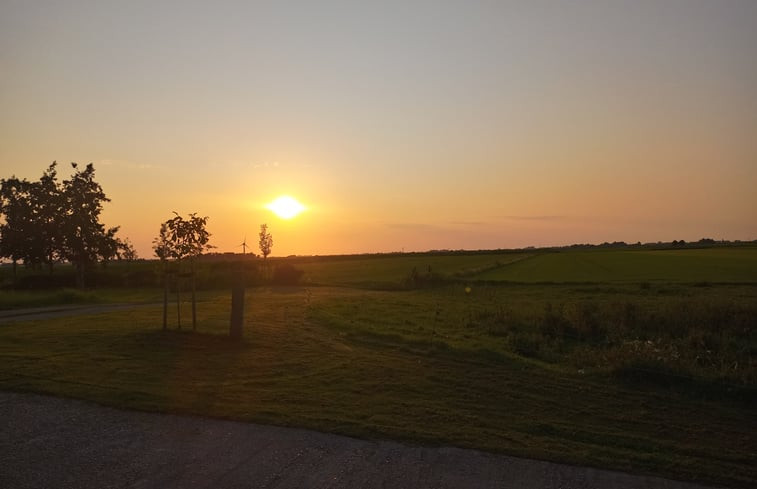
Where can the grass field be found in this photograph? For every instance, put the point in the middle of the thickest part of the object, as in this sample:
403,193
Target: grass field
693,265
20,299
630,372
387,271
717,265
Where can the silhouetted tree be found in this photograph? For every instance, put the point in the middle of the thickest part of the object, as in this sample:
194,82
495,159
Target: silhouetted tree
163,248
85,239
126,250
15,232
110,247
33,218
181,238
50,212
266,241
46,221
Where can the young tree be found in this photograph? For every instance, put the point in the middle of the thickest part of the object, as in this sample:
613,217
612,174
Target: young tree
266,241
163,248
184,238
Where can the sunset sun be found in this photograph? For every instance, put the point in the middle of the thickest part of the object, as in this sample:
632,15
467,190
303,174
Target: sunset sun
285,207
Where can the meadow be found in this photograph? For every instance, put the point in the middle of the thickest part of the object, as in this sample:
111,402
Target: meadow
640,360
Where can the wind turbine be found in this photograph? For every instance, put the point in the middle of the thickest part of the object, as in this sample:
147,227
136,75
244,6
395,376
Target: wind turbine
244,246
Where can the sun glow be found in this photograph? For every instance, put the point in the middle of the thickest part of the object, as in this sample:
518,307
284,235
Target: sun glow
285,207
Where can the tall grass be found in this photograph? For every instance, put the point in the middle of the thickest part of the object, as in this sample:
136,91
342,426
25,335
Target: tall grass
681,336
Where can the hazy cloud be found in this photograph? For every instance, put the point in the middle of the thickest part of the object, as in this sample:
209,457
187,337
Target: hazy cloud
414,226
536,218
267,164
277,164
126,164
470,223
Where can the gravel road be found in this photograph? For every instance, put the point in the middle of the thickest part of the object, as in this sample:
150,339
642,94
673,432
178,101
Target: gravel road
63,443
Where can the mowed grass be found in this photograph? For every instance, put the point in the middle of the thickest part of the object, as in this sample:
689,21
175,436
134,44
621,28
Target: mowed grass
689,265
425,366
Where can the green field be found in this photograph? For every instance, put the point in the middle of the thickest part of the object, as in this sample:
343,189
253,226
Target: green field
693,265
644,361
717,265
390,271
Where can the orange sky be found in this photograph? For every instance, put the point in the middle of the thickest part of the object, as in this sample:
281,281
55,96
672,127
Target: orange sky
401,126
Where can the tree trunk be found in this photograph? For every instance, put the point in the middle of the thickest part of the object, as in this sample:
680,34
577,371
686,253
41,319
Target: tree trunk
178,299
165,300
15,273
80,275
194,299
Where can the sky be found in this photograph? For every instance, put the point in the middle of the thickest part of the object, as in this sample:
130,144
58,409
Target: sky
401,125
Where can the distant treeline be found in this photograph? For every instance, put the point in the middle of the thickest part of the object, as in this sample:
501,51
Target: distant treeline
702,243
659,245
211,273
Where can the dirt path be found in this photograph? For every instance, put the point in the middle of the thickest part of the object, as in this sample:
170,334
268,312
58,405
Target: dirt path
39,313
63,443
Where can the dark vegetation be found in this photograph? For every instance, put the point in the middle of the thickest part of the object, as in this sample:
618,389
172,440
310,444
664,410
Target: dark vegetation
47,221
696,334
525,369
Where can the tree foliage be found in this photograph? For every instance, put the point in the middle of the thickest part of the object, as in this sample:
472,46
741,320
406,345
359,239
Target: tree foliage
126,250
177,239
16,232
266,241
47,221
181,238
85,239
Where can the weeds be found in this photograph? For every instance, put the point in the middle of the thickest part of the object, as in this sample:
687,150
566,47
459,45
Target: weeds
710,339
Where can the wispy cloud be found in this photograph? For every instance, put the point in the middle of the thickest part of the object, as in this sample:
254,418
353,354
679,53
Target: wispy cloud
126,164
277,164
413,226
536,218
470,223
267,164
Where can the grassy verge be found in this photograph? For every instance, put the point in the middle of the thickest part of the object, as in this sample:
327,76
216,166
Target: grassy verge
21,299
424,366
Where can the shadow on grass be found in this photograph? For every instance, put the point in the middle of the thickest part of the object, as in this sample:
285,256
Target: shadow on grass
640,375
187,339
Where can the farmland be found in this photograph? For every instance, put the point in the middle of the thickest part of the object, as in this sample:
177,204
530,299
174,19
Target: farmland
636,360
